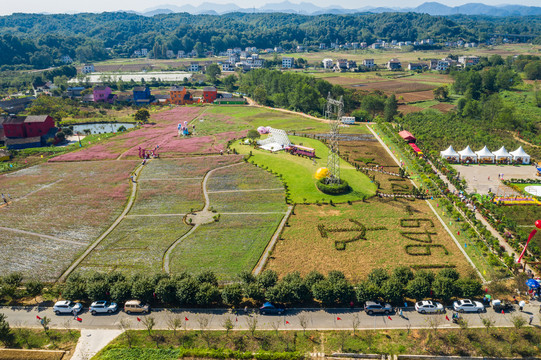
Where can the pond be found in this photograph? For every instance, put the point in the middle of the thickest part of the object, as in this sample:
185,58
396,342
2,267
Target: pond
101,128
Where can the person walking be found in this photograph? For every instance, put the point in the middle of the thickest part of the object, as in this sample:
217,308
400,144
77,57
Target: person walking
531,319
4,198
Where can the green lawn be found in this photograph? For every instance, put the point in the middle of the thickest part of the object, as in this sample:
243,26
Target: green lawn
227,247
218,119
298,172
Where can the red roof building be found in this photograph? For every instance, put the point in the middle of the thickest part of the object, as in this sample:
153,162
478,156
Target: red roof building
209,94
29,126
407,136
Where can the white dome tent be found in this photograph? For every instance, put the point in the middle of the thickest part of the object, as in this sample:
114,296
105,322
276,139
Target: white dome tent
467,155
502,155
485,156
520,156
450,155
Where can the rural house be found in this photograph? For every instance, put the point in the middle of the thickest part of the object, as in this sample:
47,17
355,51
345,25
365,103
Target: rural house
180,96
30,131
141,95
103,94
209,94
394,64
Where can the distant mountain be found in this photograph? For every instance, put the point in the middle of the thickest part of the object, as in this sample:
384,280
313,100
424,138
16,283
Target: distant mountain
306,8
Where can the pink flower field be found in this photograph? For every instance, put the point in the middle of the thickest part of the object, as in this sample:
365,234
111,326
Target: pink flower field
163,134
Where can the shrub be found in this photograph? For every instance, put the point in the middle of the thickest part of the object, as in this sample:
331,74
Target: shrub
333,189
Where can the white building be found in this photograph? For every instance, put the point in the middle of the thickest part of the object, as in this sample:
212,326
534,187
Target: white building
88,68
369,63
193,67
228,67
288,62
327,63
181,54
144,52
468,60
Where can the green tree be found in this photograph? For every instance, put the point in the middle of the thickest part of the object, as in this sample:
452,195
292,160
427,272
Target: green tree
441,93
142,115
391,108
166,291
267,279
232,295
393,290
253,134
378,276
142,288
97,290
120,291
444,288
6,335
533,70
367,291
208,294
229,82
403,274
260,95
34,288
418,288
186,290
469,288
212,72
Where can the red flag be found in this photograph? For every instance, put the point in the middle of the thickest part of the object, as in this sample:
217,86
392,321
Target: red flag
287,322
458,232
138,319
37,317
447,317
388,317
338,318
236,319
79,319
185,318
503,312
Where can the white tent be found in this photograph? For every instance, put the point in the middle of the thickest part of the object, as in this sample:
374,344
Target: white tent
520,156
450,154
485,156
502,155
467,155
277,140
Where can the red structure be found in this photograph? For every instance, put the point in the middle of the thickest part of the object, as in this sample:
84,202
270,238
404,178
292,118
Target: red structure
209,94
29,126
301,150
416,149
407,136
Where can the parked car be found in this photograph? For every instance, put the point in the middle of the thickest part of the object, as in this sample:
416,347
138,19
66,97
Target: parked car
67,307
427,306
374,307
269,309
103,307
467,305
136,306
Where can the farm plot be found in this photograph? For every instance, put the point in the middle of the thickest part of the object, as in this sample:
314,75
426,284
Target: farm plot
167,197
358,238
242,177
227,247
183,168
137,245
66,206
248,202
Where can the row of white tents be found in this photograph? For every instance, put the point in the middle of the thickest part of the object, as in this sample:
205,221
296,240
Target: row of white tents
519,156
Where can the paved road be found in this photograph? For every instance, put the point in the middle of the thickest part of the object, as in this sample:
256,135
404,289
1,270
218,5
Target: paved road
318,319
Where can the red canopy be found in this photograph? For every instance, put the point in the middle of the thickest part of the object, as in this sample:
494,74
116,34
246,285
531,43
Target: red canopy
406,135
415,148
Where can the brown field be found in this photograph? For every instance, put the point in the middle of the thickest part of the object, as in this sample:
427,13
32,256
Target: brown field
406,109
443,107
416,96
397,86
304,249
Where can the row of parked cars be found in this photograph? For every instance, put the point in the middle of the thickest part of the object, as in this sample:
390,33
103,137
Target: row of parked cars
371,307
100,307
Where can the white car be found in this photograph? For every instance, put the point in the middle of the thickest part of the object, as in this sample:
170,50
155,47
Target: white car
468,306
67,307
103,307
426,306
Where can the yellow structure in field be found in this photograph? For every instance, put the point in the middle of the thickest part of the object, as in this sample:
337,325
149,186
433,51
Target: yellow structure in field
322,173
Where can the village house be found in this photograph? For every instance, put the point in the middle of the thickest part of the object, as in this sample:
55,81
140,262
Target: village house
88,68
141,95
288,62
28,131
103,94
394,64
193,67
368,63
14,106
209,94
228,67
179,95
327,63
468,60
416,66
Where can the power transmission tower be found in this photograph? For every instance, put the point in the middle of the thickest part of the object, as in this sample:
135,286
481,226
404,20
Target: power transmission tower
334,112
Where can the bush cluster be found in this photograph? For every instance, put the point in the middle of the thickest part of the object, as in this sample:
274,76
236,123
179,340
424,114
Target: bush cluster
333,189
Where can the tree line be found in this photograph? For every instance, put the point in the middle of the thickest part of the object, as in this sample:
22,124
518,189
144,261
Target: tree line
204,290
40,40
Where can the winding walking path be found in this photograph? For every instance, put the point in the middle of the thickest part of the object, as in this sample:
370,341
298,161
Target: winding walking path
205,214
129,205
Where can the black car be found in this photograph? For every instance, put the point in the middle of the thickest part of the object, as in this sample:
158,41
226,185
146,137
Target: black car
270,309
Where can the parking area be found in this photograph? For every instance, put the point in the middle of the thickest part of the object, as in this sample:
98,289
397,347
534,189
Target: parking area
481,178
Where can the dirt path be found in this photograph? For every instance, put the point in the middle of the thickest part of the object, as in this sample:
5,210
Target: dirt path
204,215
129,205
266,254
522,140
43,236
92,341
253,103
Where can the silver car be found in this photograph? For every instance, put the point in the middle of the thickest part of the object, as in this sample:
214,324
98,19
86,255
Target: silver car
468,306
103,307
67,307
427,306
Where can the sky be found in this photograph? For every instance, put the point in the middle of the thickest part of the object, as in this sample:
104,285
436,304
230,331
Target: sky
74,6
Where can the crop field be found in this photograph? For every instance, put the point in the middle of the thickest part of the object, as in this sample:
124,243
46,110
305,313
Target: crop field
242,177
378,233
298,172
137,245
167,197
188,167
227,247
71,203
248,201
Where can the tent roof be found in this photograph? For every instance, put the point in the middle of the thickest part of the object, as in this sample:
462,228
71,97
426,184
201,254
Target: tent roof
484,152
502,152
467,152
519,152
449,152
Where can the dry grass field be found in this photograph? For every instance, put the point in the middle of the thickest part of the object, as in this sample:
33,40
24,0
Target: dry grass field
304,248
